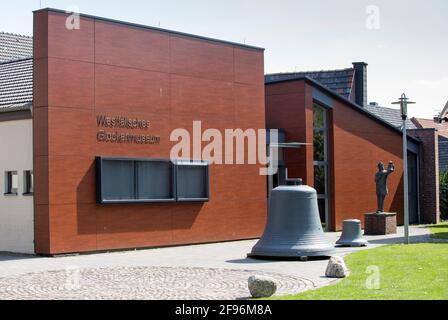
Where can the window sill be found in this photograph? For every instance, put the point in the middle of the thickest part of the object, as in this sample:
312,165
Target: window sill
193,200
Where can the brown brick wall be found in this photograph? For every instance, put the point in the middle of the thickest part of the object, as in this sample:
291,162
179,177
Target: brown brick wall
429,175
380,224
122,70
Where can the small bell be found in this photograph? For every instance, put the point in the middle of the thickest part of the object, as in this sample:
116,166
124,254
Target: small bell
352,234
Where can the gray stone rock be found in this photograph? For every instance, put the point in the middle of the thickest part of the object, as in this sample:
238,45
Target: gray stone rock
262,286
336,268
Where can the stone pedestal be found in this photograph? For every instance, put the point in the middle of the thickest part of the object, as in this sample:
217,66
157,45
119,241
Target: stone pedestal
379,224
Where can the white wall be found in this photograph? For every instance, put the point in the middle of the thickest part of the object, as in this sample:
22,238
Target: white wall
16,212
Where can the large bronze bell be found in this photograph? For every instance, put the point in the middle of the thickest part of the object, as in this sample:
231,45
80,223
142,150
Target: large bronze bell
294,229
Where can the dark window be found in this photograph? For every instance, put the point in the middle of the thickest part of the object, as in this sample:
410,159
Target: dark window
319,145
319,179
28,182
321,163
11,183
319,117
150,180
154,180
192,181
118,181
322,203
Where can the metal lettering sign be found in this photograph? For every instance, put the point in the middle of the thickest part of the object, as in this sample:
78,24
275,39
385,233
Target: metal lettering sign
120,122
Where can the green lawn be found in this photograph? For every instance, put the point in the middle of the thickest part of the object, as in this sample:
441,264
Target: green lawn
417,271
440,231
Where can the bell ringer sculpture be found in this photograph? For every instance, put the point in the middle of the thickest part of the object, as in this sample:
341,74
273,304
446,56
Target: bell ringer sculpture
294,229
381,184
380,222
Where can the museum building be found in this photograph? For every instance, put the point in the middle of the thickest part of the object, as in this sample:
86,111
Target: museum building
346,138
86,117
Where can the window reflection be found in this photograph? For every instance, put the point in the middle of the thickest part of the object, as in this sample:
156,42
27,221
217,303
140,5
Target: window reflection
319,179
320,146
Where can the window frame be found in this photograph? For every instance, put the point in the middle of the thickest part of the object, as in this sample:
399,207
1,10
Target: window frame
100,196
100,187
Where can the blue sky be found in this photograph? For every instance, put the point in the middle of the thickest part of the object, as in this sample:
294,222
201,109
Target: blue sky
407,53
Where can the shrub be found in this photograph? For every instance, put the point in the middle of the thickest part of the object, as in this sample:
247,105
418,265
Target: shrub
444,195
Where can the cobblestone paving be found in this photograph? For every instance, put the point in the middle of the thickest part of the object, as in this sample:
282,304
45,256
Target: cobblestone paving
141,283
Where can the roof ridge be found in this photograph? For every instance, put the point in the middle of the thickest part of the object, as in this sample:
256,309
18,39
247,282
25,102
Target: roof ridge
315,71
16,34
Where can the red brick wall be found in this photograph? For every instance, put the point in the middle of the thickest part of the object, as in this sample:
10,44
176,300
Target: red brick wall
169,79
429,175
357,144
289,106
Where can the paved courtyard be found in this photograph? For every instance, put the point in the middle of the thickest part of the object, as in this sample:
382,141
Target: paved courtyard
211,271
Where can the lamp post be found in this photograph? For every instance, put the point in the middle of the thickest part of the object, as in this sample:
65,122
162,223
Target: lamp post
403,102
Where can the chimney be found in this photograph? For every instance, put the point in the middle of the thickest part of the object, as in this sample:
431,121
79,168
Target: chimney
360,83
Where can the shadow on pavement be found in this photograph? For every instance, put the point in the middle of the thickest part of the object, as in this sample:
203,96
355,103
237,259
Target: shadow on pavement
399,240
248,261
272,259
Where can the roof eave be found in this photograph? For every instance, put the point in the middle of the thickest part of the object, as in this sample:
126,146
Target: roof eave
136,25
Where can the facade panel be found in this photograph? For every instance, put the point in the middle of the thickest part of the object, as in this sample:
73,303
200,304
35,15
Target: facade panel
16,214
359,144
120,73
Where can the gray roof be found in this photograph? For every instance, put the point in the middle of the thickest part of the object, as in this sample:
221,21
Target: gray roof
339,81
15,47
16,83
392,116
16,72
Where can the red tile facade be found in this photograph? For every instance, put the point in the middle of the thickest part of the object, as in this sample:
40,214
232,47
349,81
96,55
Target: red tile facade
357,144
108,68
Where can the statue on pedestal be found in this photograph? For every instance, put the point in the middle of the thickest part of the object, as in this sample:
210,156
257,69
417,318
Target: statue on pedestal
381,184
